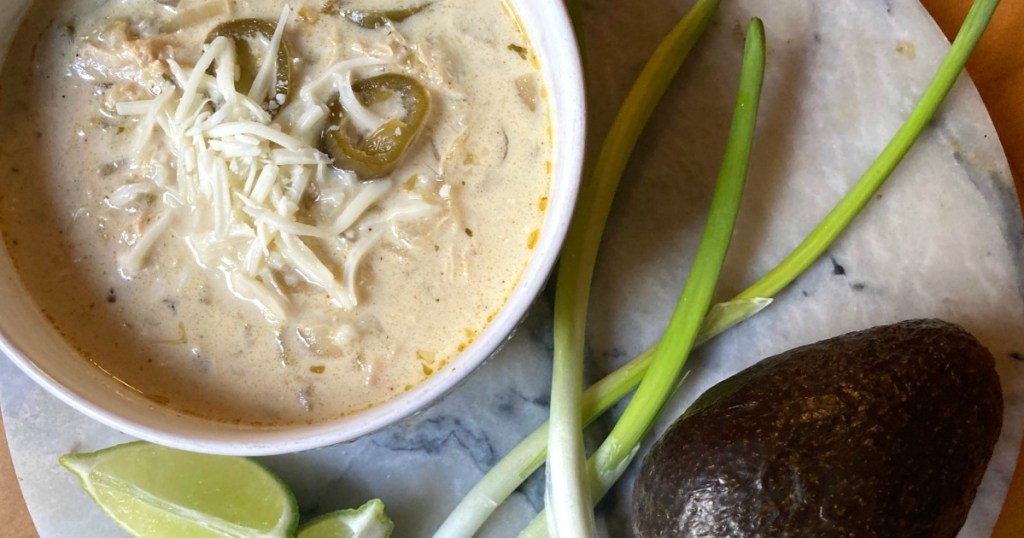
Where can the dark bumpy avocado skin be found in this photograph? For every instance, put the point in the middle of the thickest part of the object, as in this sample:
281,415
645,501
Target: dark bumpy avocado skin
879,433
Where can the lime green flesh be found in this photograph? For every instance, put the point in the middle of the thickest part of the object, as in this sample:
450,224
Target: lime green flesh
154,491
367,521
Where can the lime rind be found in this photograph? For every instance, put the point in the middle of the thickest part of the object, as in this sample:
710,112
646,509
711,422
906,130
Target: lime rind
154,491
367,521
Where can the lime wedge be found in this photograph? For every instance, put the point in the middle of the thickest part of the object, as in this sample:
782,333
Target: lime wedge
154,491
367,521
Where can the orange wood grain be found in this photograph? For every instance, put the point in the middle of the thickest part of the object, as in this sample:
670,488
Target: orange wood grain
14,517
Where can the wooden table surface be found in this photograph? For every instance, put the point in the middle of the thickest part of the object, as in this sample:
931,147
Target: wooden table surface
998,70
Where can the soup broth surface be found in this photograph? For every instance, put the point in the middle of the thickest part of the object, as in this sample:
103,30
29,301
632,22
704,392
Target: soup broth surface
165,291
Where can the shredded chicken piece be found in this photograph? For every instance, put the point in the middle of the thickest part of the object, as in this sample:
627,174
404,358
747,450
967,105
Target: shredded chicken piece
116,55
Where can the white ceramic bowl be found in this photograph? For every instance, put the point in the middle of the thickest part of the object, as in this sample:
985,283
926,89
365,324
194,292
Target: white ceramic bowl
35,346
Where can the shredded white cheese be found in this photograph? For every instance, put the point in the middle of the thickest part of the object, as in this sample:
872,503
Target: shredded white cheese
264,81
247,197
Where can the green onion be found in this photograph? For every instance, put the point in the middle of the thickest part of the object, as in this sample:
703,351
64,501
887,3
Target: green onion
509,473
611,459
567,493
836,221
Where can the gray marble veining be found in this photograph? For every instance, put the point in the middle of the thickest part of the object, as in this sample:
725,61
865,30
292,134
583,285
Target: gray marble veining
943,239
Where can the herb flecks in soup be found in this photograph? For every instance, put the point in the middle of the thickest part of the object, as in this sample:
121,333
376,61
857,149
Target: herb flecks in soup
271,213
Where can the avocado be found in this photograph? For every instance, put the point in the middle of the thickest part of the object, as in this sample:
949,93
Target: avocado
883,432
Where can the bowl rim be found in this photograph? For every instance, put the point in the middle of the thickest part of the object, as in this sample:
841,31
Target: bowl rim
549,30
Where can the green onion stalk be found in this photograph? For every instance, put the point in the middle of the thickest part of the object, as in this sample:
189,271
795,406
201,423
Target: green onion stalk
509,473
611,459
567,494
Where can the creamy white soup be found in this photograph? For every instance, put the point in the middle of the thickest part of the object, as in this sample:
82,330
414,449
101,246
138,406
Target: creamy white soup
271,212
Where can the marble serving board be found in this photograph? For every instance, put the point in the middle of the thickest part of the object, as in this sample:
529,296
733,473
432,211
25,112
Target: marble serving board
943,239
